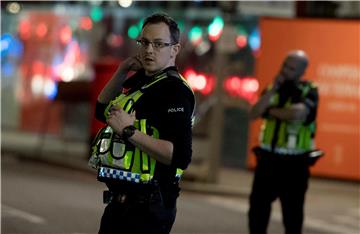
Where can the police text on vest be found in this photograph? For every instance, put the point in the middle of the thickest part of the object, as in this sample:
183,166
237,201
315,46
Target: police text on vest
178,109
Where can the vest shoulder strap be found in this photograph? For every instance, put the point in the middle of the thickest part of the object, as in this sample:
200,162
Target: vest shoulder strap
180,77
306,86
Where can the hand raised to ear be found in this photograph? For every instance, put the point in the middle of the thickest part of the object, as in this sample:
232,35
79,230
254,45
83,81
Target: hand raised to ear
131,64
278,81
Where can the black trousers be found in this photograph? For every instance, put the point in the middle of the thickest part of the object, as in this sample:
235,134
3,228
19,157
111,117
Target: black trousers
132,216
283,177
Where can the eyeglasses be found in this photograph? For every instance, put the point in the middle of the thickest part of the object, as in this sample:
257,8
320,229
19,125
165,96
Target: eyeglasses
155,44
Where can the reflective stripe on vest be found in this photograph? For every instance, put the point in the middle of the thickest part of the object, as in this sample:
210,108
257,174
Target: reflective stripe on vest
293,136
114,158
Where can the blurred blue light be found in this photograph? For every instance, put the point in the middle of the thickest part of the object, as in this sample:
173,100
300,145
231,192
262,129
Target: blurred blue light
51,91
11,46
5,44
254,40
16,48
7,69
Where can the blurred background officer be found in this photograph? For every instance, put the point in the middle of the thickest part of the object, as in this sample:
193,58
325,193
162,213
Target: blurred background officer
145,147
288,108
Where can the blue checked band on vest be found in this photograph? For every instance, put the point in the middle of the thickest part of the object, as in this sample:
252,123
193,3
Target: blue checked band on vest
294,137
119,160
112,173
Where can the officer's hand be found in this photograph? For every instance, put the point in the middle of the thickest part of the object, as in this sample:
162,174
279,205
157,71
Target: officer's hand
131,64
119,119
279,80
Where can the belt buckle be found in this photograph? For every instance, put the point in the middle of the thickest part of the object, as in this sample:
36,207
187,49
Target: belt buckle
120,198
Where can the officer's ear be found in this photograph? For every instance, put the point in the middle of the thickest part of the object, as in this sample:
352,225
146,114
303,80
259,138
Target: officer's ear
175,49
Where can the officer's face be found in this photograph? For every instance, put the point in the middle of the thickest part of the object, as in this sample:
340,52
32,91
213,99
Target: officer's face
154,54
293,68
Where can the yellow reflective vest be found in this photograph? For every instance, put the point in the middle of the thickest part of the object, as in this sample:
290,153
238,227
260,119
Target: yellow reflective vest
119,160
294,137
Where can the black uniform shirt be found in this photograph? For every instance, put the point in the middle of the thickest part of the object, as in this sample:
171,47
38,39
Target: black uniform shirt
293,91
168,106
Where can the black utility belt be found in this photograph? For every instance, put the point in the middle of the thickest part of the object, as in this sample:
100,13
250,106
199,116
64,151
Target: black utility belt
310,157
130,197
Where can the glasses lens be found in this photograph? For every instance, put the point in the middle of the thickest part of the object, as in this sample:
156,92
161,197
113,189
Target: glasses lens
142,42
158,45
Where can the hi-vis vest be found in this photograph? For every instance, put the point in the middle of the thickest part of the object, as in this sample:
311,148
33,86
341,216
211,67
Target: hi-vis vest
119,160
293,136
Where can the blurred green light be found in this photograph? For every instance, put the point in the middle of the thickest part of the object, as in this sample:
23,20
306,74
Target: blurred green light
216,26
133,32
195,33
96,14
140,24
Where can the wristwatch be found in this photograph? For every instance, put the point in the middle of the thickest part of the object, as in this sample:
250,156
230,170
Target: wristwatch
128,131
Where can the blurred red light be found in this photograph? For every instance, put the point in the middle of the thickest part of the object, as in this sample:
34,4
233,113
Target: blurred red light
41,30
189,72
209,87
242,87
200,82
86,23
25,29
215,37
250,85
232,85
38,67
115,40
241,41
65,34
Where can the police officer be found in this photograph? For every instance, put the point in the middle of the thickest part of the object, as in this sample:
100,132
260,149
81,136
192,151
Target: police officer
288,108
146,145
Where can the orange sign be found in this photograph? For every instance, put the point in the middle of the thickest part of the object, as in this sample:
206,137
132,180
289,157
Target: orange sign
333,48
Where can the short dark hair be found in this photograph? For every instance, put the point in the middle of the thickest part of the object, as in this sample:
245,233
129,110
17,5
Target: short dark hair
170,22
